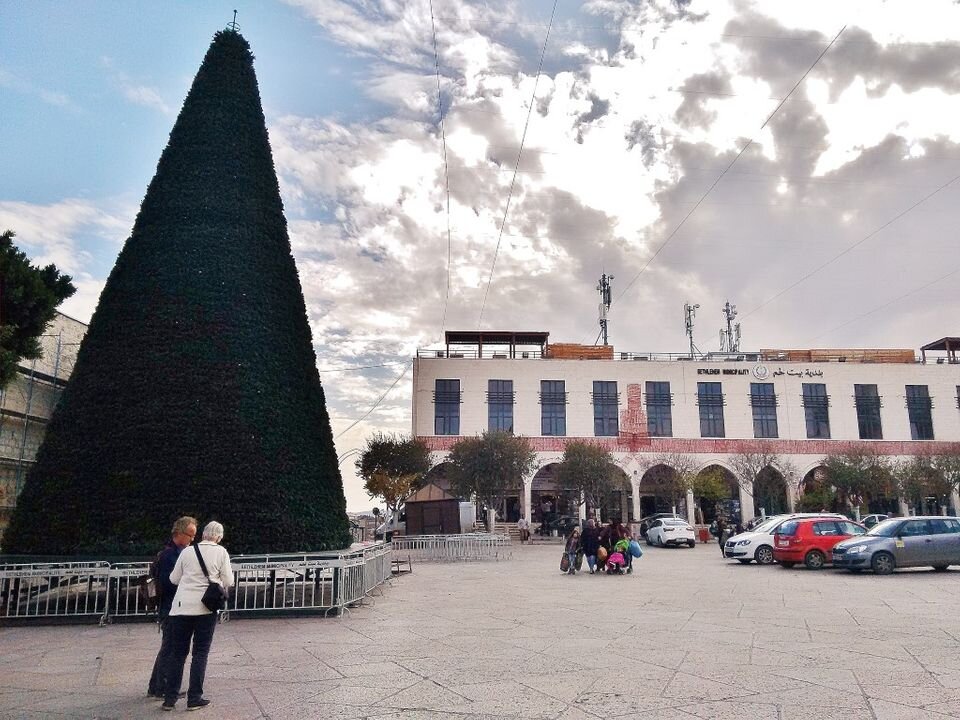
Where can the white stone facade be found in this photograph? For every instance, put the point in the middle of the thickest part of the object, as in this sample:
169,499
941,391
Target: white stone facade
27,404
634,450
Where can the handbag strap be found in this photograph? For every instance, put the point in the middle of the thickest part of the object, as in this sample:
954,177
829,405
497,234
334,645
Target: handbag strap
203,565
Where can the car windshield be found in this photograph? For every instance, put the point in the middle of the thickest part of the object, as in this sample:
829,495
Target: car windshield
887,528
767,525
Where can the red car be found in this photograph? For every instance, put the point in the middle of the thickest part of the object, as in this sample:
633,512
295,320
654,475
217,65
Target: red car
811,540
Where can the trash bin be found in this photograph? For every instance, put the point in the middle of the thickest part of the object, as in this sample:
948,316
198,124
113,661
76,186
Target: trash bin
704,534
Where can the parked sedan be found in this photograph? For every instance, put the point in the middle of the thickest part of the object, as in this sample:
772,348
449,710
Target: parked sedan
757,544
670,531
811,540
902,542
870,520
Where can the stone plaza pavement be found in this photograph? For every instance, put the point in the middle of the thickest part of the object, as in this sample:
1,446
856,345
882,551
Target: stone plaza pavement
686,636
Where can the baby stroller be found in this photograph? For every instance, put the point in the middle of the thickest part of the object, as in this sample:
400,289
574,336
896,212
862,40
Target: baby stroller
615,563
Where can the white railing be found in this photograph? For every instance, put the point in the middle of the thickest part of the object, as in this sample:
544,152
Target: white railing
469,546
264,584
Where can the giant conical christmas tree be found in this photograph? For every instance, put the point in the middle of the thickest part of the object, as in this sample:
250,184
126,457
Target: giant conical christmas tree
196,388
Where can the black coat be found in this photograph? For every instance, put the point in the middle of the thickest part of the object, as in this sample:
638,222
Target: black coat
590,541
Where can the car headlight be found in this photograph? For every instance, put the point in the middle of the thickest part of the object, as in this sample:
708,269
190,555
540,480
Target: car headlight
856,549
744,542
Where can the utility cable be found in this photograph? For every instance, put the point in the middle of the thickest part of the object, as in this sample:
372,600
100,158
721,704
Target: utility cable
855,245
375,405
353,368
730,165
887,304
513,181
446,174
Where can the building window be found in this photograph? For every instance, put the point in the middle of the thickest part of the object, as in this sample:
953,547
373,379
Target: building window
919,404
553,408
816,404
500,405
605,408
868,404
659,410
763,400
710,400
446,403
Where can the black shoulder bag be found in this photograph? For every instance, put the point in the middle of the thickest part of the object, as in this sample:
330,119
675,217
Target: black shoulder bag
215,596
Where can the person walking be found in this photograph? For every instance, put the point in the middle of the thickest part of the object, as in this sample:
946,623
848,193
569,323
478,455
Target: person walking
573,546
189,617
721,532
524,527
590,542
183,532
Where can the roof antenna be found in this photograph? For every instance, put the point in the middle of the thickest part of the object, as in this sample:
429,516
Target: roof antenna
232,26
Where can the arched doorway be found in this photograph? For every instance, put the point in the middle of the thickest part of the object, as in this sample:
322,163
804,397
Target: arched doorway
770,493
549,501
618,505
716,493
658,490
816,492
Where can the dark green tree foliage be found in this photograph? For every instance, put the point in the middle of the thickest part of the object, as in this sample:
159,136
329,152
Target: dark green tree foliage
195,390
590,472
489,465
29,296
392,466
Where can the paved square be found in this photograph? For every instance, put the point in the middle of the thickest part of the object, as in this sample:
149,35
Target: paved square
688,635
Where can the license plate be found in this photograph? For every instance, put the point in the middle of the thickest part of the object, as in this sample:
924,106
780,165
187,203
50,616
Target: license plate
784,543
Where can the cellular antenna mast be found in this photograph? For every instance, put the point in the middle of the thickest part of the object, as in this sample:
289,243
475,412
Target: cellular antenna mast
605,299
690,311
730,338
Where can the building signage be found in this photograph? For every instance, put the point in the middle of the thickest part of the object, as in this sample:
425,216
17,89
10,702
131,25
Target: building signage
761,372
723,371
805,372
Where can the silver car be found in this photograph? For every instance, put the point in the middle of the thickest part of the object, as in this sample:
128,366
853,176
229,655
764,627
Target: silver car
902,542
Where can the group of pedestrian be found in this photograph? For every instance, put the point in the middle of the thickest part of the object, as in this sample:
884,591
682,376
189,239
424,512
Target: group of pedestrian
183,577
605,549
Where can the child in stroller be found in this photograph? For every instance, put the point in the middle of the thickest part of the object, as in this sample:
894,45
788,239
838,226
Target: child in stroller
616,563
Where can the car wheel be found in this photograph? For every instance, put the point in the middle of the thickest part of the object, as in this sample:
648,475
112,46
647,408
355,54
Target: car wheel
660,541
941,568
883,563
745,561
814,560
786,564
691,543
764,555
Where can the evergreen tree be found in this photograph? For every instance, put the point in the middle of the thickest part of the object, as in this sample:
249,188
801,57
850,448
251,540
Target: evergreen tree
196,389
29,297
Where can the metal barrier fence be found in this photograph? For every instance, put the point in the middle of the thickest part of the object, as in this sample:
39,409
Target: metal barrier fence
469,546
264,584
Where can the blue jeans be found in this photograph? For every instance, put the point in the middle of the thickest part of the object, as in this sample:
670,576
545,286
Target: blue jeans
592,562
199,629
572,556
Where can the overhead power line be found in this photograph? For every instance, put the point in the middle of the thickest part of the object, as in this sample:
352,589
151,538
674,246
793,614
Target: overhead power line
850,248
726,169
446,173
375,405
353,368
887,304
513,181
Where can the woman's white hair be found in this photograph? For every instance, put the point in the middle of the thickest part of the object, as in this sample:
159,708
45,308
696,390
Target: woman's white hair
213,531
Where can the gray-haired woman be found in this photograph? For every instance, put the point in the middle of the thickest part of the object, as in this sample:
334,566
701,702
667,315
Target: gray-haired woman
189,617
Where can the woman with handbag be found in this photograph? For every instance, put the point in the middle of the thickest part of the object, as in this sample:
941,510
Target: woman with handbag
203,577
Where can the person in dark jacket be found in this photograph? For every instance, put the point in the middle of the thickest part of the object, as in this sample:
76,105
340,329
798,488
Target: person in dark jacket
572,548
183,533
721,533
590,541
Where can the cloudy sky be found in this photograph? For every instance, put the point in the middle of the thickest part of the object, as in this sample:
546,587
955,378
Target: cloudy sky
647,139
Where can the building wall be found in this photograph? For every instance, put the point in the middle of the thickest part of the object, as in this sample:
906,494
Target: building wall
634,450
27,404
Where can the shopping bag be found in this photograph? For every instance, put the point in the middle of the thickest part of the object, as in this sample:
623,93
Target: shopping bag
635,549
564,563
